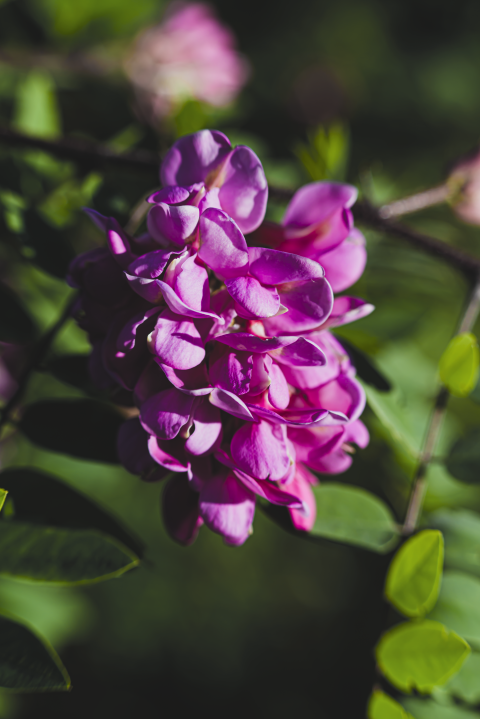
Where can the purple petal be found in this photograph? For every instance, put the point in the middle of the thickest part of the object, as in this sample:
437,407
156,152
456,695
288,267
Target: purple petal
173,222
268,490
119,244
344,265
99,220
303,518
169,461
299,417
147,289
278,394
261,450
244,191
344,394
193,157
207,428
176,341
127,337
180,308
132,447
347,309
152,264
273,267
231,370
230,403
227,508
222,245
210,199
126,367
151,381
195,378
313,443
166,413
180,511
308,303
252,343
301,353
252,298
190,282
172,195
317,201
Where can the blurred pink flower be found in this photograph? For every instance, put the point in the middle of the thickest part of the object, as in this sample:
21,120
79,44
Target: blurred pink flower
190,55
465,178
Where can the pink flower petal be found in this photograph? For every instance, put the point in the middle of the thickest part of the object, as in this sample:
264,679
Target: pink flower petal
176,341
261,450
227,508
164,414
252,298
207,428
180,511
193,157
244,190
222,245
273,267
176,223
308,303
345,264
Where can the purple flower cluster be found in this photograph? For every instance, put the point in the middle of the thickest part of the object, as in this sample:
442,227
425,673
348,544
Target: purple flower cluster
241,389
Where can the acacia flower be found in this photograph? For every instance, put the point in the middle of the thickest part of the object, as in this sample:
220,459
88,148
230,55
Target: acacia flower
225,349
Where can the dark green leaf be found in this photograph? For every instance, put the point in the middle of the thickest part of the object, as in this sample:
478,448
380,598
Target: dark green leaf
381,706
40,498
61,556
461,530
420,655
355,516
81,428
27,662
458,605
366,369
463,462
51,247
15,323
73,370
414,576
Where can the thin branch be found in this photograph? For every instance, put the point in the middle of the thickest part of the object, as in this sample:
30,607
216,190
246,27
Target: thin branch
86,153
39,351
414,203
419,485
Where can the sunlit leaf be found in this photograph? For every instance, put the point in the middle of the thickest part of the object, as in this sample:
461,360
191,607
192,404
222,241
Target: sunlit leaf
463,462
354,516
81,428
429,709
36,111
27,661
459,365
414,576
39,498
466,684
458,605
420,655
381,706
461,530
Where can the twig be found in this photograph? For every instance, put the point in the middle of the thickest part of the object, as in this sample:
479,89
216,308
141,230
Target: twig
86,153
419,484
414,203
39,351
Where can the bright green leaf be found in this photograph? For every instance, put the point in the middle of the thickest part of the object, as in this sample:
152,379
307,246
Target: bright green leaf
459,365
36,111
461,531
463,462
61,556
27,661
458,605
389,410
420,655
413,579
466,683
355,516
3,496
381,706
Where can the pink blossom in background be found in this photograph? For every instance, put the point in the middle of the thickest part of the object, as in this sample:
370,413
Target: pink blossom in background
225,348
190,55
465,177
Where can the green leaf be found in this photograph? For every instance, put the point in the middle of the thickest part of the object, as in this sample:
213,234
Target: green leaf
355,516
458,605
27,661
420,655
36,111
3,496
466,683
459,365
381,706
391,413
463,462
39,498
414,576
61,556
461,530
15,324
82,428
431,710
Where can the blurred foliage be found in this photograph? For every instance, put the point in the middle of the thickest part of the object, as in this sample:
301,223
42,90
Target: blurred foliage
380,94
